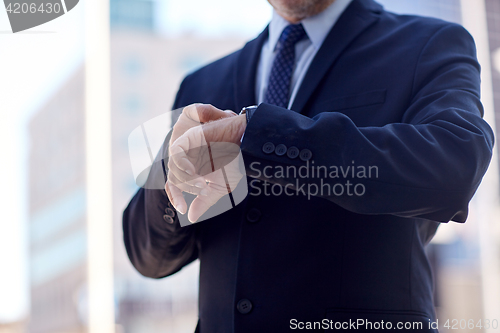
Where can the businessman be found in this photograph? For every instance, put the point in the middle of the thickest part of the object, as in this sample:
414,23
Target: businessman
388,105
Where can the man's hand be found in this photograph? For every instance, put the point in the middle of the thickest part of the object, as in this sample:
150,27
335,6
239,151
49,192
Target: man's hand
195,115
206,153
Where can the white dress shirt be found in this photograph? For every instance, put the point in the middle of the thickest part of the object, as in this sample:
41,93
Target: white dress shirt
317,28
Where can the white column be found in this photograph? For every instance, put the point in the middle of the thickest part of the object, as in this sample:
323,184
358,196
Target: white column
98,167
486,200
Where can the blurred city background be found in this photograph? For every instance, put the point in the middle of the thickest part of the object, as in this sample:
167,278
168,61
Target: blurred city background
153,44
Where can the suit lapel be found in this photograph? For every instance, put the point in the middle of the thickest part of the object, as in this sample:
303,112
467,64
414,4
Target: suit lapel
358,16
245,71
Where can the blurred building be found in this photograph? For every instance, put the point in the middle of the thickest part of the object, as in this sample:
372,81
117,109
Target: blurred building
493,20
146,70
57,211
131,14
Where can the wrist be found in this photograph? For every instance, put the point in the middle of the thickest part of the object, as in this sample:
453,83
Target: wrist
241,125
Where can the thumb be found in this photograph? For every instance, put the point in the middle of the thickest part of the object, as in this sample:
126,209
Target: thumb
201,204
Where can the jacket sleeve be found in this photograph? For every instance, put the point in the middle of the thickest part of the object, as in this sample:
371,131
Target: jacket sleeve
429,165
156,247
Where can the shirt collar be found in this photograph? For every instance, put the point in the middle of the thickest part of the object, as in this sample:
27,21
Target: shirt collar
316,27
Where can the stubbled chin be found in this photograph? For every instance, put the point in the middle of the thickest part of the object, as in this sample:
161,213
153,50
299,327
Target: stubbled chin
296,10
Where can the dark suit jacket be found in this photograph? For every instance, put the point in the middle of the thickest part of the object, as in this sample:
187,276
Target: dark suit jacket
392,91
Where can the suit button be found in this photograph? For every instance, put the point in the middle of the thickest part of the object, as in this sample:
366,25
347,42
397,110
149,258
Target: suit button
253,215
268,147
244,306
169,212
293,152
305,155
168,219
280,150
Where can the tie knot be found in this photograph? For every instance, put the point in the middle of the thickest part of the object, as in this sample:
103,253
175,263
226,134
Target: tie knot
292,34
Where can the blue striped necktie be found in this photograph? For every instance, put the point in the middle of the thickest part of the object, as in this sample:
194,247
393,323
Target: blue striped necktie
278,86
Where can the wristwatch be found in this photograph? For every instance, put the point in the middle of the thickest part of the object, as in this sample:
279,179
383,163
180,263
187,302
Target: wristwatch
249,111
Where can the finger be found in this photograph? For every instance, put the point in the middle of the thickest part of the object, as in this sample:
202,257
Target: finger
193,189
169,194
177,177
176,198
205,113
179,162
201,204
199,188
191,113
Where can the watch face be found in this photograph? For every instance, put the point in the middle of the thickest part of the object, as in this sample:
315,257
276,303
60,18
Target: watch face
248,108
249,111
